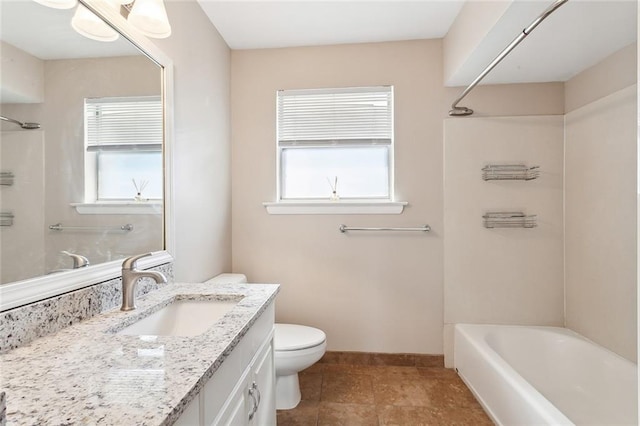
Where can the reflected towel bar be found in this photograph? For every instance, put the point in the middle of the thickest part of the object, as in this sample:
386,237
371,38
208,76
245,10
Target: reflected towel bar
59,227
6,218
345,228
6,178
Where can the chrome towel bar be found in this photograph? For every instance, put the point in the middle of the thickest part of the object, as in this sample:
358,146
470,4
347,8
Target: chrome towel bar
345,228
60,227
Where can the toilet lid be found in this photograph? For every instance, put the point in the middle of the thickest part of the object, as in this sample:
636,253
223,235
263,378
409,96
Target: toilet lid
291,337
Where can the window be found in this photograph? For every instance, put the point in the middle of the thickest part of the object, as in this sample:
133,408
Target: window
123,139
329,136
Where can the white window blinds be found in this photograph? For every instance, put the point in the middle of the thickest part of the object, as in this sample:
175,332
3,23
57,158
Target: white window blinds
350,115
116,124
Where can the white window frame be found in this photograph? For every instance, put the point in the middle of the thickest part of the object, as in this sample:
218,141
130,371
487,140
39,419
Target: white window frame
280,147
91,166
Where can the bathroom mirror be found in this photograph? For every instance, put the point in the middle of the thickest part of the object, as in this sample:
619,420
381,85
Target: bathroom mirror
86,182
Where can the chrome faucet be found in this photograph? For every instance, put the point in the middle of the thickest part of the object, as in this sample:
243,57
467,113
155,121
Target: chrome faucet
130,277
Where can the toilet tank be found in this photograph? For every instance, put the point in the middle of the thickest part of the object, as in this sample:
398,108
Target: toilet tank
228,279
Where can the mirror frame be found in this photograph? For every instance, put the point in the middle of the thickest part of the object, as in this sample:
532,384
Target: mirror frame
31,290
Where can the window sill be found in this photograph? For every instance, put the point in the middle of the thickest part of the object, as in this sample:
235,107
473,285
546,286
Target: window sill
337,207
119,207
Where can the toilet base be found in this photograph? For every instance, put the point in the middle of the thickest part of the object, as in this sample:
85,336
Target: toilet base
287,392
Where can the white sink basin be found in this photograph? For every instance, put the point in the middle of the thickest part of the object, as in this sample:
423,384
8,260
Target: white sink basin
181,318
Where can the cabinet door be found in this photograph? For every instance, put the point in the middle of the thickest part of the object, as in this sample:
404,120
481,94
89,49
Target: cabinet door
265,380
235,411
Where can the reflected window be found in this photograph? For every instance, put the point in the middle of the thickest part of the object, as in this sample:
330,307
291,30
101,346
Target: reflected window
123,140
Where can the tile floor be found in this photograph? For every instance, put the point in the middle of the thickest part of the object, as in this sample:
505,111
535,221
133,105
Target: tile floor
352,392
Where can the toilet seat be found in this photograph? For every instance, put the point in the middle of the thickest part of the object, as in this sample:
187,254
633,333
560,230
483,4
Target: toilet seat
293,337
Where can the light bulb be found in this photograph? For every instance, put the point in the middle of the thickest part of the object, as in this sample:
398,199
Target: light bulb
150,18
91,26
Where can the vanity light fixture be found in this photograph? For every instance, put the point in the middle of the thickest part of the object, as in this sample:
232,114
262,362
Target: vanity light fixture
147,16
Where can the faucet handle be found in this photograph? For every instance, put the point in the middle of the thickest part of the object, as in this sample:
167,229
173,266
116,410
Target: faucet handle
130,262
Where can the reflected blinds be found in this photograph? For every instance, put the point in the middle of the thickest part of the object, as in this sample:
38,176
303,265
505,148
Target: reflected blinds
116,124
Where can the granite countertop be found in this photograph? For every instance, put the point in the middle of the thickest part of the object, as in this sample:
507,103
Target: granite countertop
86,374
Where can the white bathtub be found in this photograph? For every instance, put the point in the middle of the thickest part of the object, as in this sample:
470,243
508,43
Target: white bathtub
545,376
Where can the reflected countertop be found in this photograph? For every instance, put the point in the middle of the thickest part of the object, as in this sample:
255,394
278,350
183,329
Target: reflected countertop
87,374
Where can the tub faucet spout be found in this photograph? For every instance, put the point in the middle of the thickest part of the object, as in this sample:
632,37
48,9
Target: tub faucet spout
130,278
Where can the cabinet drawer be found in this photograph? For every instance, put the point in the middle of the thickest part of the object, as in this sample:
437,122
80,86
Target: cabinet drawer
256,335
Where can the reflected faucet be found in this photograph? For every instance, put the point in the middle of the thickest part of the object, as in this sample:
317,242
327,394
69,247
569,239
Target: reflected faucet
79,261
130,277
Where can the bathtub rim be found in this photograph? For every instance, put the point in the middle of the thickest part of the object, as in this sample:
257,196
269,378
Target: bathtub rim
524,389
476,335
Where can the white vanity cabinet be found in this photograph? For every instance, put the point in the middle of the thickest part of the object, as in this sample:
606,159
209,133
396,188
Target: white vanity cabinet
242,391
252,401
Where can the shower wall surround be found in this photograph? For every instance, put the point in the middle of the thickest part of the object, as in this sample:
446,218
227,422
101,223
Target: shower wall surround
19,326
578,267
512,275
23,155
600,203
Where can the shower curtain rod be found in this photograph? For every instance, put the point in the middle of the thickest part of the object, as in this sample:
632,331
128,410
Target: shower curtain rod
459,111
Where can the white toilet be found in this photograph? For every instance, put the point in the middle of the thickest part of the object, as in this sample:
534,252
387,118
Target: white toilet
296,347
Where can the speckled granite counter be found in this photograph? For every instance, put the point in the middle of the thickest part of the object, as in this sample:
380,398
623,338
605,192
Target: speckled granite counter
86,374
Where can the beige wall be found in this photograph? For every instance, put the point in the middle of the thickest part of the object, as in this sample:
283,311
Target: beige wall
378,292
201,168
475,20
601,217
609,75
509,100
502,276
22,75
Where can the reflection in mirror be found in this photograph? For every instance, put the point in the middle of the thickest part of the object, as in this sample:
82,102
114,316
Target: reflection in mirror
85,187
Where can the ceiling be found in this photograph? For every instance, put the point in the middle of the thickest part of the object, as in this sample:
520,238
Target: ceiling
269,24
575,37
578,35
